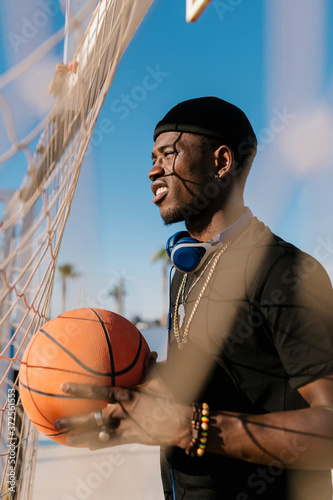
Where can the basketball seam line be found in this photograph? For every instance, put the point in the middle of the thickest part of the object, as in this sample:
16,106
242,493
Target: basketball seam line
57,369
112,366
65,396
77,360
136,357
62,433
91,370
27,378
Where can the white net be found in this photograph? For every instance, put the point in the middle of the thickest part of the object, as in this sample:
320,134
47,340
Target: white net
35,216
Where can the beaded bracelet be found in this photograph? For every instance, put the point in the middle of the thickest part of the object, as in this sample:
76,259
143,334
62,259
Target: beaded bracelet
200,425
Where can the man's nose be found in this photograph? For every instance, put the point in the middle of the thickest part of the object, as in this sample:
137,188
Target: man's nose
156,171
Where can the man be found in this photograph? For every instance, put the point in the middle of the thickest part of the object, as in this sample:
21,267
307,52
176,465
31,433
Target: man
251,339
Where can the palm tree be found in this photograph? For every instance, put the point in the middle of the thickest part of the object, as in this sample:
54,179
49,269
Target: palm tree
161,255
66,271
118,292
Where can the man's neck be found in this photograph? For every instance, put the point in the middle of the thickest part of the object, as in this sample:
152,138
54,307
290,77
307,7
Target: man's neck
207,226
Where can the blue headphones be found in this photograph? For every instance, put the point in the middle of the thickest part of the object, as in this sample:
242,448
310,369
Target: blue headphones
188,254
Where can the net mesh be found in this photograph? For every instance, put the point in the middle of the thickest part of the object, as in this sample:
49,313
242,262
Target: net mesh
35,216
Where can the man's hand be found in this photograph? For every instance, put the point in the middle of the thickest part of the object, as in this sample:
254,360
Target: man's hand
146,414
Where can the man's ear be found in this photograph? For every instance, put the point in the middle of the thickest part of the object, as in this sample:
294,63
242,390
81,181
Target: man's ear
224,159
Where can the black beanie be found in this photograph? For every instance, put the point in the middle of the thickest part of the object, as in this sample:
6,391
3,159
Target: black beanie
212,117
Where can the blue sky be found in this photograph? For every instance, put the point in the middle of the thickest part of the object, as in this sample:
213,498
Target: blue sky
272,59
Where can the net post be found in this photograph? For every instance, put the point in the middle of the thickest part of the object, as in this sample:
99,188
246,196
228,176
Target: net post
194,8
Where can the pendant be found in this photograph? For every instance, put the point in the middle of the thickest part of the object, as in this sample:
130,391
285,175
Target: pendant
181,314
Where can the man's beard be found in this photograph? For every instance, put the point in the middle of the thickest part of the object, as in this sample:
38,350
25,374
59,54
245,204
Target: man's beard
184,212
205,193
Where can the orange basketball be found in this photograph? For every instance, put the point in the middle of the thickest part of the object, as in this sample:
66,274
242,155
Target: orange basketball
91,346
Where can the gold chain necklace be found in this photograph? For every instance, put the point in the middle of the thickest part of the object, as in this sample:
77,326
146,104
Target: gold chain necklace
183,299
181,341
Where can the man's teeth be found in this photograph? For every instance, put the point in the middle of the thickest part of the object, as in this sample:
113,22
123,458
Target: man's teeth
161,190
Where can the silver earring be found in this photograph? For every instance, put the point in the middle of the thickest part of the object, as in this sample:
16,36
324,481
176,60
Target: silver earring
217,178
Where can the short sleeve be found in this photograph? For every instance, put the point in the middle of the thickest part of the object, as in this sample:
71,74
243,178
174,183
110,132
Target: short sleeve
297,301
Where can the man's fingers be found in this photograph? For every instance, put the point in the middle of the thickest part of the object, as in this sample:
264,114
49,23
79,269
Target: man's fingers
83,439
102,393
76,422
88,420
114,440
92,441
